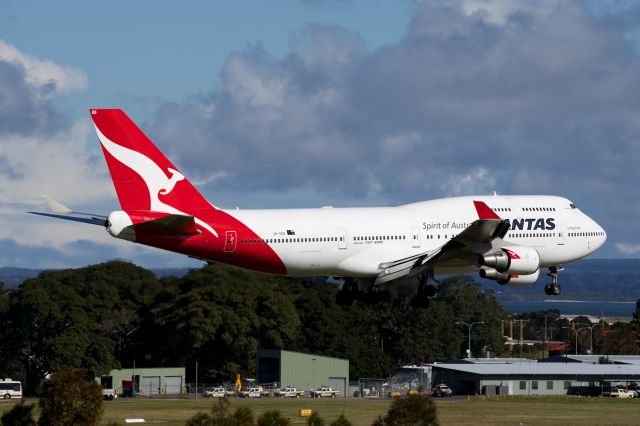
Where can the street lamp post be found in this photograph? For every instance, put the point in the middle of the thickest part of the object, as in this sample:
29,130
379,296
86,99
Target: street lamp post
469,325
576,331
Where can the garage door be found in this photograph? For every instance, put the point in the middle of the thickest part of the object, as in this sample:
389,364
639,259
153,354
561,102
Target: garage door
338,383
151,385
173,385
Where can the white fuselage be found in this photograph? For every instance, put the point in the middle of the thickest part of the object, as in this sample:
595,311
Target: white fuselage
355,241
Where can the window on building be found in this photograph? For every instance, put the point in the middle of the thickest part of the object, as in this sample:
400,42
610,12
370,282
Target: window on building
534,384
523,385
567,385
549,384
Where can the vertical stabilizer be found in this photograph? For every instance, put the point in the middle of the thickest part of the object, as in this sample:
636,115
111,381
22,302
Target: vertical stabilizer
143,177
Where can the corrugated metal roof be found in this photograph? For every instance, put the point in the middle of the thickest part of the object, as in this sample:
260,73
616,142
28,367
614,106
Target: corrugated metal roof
547,369
594,359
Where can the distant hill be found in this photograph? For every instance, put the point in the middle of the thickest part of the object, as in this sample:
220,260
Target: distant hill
589,279
12,277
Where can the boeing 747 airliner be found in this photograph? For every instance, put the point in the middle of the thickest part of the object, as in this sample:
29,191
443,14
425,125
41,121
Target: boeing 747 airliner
509,239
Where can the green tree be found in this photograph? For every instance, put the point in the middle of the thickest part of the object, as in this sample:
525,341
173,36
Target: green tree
71,400
470,303
414,410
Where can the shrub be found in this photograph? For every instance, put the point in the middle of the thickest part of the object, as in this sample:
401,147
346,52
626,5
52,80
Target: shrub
272,418
71,400
341,421
414,410
221,415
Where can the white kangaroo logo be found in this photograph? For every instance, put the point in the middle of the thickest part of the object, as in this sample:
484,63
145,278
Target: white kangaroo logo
176,177
153,176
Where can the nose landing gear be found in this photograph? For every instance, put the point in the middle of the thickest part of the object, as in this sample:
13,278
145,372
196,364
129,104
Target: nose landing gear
553,288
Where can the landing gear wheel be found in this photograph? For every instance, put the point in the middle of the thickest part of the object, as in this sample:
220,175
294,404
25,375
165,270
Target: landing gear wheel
552,289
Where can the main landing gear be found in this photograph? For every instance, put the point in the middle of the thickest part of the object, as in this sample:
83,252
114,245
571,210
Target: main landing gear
553,288
359,289
425,291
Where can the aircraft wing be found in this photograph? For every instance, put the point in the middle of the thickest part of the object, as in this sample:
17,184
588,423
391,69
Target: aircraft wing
60,211
476,238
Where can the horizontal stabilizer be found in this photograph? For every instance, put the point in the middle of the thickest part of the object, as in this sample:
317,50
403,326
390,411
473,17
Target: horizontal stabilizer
92,219
60,211
173,224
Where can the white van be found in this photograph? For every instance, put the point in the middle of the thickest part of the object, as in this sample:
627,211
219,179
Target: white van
10,389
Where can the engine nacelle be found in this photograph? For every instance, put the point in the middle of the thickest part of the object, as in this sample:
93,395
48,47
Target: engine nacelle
512,260
514,280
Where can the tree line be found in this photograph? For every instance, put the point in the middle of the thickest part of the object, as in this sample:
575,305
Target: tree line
109,315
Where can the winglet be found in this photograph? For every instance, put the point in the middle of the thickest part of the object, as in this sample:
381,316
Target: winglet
484,212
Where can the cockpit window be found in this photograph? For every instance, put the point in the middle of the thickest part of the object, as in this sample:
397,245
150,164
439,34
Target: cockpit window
573,206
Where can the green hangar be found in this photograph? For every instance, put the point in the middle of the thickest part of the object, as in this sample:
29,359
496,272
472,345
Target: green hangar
304,371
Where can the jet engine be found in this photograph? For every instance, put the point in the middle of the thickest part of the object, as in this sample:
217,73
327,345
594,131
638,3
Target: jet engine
514,280
512,260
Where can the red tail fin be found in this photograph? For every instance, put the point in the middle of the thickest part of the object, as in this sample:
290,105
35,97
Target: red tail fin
143,177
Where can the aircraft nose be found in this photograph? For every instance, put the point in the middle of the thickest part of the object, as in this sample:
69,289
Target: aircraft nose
601,235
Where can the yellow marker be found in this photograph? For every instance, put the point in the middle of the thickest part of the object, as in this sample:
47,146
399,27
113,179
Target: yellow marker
305,412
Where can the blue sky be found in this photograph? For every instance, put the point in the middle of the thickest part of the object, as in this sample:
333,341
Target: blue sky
357,102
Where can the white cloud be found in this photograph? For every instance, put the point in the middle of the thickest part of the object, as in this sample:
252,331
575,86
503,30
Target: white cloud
40,73
476,181
628,249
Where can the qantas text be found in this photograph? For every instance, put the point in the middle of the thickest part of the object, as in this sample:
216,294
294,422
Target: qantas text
540,224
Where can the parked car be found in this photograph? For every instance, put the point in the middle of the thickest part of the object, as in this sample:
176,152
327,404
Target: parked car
289,392
633,393
254,392
216,392
109,394
617,393
441,390
324,392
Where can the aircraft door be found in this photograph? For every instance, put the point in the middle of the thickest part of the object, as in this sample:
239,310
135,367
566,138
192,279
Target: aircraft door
230,241
560,232
342,239
415,237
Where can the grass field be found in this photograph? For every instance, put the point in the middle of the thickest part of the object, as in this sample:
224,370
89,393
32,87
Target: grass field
565,411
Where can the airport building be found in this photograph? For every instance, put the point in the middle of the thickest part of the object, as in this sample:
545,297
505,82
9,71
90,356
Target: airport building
148,381
533,378
304,371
